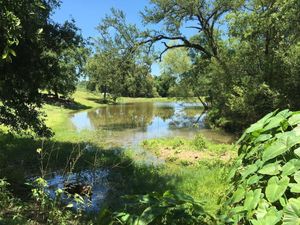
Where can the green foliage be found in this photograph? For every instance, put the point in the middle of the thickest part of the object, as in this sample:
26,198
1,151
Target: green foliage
37,54
199,142
168,208
265,180
176,61
68,54
164,84
42,209
242,72
120,66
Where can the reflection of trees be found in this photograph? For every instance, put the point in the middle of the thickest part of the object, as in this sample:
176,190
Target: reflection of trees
193,111
189,117
140,115
119,117
164,112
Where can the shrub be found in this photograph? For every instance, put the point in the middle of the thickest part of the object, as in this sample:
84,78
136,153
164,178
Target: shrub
167,208
199,142
266,178
177,143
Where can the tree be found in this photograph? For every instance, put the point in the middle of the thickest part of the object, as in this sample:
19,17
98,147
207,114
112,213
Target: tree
27,62
246,54
103,71
21,70
258,79
67,53
164,83
204,16
119,67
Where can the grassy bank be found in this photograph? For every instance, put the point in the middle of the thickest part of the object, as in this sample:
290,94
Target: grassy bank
200,166
196,167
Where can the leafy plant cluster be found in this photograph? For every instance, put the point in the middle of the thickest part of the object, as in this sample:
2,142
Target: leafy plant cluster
199,142
169,208
266,178
42,209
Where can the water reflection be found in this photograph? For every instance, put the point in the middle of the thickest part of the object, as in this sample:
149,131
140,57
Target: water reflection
97,179
128,124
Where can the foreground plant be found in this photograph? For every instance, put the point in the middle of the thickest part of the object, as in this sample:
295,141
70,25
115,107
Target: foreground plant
168,208
41,210
266,178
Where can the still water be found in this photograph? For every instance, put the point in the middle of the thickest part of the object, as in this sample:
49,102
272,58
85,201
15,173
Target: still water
129,124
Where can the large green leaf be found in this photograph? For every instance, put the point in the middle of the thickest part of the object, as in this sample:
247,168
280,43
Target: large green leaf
290,138
238,195
291,213
275,149
295,187
262,138
297,177
253,179
276,188
284,142
271,169
252,199
259,124
276,121
272,217
294,119
262,208
291,167
150,214
297,152
249,170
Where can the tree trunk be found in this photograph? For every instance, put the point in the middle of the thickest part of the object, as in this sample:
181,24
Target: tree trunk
205,105
56,93
105,95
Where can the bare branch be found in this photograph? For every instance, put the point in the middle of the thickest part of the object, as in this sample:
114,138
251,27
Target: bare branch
186,43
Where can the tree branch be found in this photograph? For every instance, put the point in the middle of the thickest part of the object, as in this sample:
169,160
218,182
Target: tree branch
186,43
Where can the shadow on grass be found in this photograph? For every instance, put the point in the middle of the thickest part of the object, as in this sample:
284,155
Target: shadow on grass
103,101
19,160
63,102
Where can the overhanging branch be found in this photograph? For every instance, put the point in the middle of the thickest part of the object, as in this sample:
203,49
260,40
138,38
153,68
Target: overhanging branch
185,43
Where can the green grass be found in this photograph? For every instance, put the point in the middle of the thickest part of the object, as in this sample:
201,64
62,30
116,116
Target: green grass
179,144
202,179
133,100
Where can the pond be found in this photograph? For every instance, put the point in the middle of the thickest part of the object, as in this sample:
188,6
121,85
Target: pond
126,126
129,124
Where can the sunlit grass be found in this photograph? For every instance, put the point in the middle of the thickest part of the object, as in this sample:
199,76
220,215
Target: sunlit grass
202,179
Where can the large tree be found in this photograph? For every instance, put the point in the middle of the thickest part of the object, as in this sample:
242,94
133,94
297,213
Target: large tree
27,62
120,66
66,54
246,53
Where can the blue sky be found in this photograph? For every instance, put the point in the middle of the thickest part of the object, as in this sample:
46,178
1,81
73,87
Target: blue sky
88,14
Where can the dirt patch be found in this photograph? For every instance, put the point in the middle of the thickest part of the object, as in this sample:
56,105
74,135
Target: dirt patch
192,156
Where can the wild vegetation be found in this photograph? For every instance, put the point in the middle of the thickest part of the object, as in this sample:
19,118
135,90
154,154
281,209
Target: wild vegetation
239,60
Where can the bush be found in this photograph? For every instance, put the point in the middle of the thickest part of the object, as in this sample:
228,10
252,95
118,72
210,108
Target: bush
199,142
266,178
167,208
41,210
